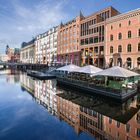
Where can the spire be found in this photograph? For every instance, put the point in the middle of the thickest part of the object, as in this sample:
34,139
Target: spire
81,15
61,24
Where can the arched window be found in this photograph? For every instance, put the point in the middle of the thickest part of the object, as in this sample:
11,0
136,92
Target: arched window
129,62
139,47
129,34
111,49
111,27
119,49
138,62
129,48
120,36
120,25
119,62
111,37
129,22
110,62
139,33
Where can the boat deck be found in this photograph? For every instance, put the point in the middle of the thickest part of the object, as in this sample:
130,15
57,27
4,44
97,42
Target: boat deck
92,89
41,76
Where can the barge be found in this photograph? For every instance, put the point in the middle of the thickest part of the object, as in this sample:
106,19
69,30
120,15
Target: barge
116,82
40,75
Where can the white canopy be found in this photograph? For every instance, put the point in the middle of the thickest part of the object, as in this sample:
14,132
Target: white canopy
89,69
117,71
69,68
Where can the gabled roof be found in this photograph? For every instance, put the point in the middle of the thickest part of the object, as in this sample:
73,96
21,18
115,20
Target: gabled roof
69,68
117,71
89,69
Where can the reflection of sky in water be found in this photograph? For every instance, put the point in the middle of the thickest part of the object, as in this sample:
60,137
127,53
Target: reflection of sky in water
22,119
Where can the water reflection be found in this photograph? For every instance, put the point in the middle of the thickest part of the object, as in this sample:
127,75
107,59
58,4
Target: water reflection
100,118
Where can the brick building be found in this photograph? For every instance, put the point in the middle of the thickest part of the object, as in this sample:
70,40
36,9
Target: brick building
68,41
123,40
92,37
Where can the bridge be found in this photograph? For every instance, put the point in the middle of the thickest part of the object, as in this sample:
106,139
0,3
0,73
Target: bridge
30,66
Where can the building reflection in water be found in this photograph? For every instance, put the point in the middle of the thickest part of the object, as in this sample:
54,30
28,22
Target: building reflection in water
95,116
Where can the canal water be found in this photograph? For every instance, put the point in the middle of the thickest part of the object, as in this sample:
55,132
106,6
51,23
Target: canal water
31,109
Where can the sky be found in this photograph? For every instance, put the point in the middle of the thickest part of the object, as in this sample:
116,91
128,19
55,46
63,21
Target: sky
21,20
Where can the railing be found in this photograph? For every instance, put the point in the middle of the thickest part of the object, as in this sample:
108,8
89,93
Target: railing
118,92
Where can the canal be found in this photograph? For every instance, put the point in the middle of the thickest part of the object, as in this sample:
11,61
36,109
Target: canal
42,110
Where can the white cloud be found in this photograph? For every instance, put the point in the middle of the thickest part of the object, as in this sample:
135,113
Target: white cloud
28,21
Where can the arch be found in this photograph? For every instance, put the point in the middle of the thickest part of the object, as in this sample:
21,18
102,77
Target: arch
129,22
119,62
119,49
111,49
110,62
138,62
111,37
120,36
138,47
129,62
129,48
129,34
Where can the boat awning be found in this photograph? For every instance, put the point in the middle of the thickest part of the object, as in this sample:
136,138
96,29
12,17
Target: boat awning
89,69
117,71
69,68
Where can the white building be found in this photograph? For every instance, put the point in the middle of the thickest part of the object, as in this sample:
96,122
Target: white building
27,52
46,47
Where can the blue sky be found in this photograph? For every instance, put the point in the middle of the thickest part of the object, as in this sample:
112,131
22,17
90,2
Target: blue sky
20,20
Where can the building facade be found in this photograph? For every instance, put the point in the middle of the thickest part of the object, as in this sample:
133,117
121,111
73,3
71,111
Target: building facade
46,47
27,52
68,42
92,37
4,57
123,40
13,54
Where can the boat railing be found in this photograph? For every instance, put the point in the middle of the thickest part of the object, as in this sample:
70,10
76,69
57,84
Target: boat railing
84,83
121,91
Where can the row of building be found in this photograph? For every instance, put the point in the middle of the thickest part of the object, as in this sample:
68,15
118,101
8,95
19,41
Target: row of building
11,55
104,38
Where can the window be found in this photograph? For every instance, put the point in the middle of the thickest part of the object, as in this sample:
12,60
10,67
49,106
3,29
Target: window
119,49
86,41
129,34
111,37
120,36
95,49
110,120
95,39
82,41
129,62
111,27
139,32
138,132
129,48
129,22
138,115
139,47
118,124
90,40
127,128
138,65
111,49
120,25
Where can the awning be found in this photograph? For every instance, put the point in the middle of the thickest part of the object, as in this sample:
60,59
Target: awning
89,69
69,68
117,71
